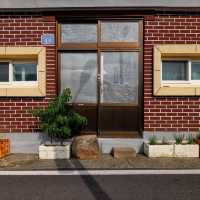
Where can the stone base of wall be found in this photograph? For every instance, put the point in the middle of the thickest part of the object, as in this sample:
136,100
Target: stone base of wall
30,142
26,142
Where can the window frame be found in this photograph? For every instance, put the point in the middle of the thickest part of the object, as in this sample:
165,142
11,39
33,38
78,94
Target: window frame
123,45
25,89
189,52
10,72
77,23
189,72
99,44
25,82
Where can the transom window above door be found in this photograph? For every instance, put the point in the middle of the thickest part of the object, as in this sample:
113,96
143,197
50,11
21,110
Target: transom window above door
78,33
94,34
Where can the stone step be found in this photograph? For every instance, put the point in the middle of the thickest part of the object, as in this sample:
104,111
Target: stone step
123,152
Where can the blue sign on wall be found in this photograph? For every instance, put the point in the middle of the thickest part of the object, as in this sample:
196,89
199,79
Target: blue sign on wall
48,39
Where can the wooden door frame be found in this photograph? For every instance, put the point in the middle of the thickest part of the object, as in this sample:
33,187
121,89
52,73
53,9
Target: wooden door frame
99,48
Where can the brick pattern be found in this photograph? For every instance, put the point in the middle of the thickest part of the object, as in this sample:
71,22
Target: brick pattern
15,113
169,113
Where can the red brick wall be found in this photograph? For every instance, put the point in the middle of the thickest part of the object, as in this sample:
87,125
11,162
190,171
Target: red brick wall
160,113
169,113
26,31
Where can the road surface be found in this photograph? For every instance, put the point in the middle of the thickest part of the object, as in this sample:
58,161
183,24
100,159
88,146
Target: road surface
100,187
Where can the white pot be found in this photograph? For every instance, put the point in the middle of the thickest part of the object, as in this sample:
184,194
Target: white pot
186,150
55,152
158,150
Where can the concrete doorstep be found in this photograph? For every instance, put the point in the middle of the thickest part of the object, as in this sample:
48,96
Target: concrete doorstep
32,162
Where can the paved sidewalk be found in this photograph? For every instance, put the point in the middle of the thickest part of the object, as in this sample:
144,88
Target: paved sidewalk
31,162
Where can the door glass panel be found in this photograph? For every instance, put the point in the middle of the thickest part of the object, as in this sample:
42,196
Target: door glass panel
79,73
119,81
77,33
119,32
4,72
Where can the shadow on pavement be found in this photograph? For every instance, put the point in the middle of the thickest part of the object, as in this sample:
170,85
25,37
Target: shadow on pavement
89,180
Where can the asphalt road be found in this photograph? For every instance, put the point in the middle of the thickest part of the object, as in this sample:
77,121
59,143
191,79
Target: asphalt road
123,187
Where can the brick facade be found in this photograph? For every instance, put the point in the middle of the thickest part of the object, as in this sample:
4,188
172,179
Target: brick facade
27,31
160,113
169,113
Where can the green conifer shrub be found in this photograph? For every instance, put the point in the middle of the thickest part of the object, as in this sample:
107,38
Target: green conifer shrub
59,120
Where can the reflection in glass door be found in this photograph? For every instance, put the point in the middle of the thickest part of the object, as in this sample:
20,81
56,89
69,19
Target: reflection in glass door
119,77
79,73
118,108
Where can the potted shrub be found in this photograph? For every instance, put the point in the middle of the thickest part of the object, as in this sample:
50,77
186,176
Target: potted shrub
60,122
4,147
158,148
185,148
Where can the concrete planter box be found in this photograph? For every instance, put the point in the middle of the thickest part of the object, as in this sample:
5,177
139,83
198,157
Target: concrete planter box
55,152
158,150
186,150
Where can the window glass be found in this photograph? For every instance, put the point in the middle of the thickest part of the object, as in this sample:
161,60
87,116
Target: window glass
119,77
79,73
24,72
4,72
119,32
77,33
195,71
174,70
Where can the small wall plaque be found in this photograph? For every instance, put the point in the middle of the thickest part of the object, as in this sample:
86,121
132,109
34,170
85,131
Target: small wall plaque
48,39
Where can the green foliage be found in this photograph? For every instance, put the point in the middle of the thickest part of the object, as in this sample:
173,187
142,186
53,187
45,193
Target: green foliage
152,140
190,139
198,135
179,138
59,120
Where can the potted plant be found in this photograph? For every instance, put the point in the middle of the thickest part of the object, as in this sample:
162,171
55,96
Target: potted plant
60,122
4,147
158,148
185,148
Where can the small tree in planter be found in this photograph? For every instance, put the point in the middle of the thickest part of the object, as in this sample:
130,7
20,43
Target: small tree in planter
158,148
59,121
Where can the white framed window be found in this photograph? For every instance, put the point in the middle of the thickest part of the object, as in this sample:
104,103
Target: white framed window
180,71
18,72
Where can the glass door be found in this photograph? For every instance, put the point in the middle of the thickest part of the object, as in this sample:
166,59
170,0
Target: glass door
118,92
99,62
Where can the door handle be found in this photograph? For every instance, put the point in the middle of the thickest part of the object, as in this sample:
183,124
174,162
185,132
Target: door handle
99,77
